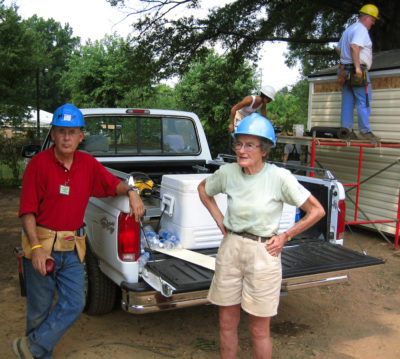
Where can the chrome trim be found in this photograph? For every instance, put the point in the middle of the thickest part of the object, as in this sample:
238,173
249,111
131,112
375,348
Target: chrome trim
314,280
153,301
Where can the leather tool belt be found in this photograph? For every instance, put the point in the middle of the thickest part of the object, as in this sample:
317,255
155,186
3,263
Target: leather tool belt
341,75
252,236
59,241
357,81
350,77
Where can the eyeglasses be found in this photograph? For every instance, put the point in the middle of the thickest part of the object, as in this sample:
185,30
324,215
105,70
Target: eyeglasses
248,147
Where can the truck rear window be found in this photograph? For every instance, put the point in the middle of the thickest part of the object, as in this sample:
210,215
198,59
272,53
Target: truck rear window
130,136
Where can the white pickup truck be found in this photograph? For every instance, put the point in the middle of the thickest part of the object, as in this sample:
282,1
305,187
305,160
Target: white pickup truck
171,149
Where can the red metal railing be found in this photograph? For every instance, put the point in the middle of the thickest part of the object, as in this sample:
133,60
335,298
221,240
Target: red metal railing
317,142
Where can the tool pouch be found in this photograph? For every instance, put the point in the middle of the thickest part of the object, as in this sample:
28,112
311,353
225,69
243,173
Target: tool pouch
80,242
46,238
357,81
62,241
65,241
341,75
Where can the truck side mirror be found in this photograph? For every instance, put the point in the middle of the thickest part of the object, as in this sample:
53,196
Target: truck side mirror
29,151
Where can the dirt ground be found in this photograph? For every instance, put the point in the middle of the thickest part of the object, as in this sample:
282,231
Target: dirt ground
357,319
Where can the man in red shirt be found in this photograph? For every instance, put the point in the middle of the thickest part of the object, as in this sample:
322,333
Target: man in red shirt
57,185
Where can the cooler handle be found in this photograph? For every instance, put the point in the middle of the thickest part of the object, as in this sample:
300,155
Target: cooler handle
167,204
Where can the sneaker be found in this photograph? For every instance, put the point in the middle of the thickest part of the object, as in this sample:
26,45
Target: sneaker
21,349
369,136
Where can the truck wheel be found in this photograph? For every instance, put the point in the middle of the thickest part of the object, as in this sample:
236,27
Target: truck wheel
101,292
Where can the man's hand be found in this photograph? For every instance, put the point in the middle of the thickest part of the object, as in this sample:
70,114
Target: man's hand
136,205
358,72
39,257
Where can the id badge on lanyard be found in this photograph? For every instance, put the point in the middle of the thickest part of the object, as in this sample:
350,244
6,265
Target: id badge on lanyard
64,189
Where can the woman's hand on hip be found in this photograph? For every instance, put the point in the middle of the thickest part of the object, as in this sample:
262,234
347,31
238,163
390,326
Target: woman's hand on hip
275,244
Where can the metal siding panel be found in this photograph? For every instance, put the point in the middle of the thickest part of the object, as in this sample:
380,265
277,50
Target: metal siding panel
379,195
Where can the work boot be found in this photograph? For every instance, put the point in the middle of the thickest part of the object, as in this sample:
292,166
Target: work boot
369,136
21,349
351,136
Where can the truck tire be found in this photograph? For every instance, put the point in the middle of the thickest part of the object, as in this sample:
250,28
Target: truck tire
101,292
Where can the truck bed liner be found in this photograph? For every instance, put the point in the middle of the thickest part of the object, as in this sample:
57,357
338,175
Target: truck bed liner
302,258
312,257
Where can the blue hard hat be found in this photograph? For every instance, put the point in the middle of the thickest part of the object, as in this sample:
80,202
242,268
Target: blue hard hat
68,116
256,125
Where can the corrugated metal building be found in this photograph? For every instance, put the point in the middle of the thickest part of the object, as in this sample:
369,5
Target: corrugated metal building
379,195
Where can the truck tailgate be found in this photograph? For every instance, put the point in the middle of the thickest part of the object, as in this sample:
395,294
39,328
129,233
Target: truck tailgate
304,264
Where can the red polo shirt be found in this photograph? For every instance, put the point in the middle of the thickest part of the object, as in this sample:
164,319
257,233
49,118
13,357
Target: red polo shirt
42,191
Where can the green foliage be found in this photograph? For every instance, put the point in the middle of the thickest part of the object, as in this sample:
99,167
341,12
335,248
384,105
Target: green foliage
108,73
242,26
27,48
210,88
10,156
55,45
290,107
157,97
17,61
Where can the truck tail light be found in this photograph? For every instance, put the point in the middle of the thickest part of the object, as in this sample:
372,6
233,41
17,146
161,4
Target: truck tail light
341,219
128,238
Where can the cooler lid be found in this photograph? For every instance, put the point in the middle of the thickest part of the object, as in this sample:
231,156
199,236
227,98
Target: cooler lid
183,182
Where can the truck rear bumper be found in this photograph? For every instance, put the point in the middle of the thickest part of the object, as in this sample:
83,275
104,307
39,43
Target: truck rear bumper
314,280
142,302
153,301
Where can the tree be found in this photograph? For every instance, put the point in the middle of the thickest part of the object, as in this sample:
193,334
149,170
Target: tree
210,88
55,45
104,73
290,106
98,73
18,58
242,26
27,48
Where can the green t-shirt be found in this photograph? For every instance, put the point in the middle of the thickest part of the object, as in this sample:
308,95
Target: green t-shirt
255,202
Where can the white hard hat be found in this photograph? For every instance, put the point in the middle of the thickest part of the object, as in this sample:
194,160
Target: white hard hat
268,91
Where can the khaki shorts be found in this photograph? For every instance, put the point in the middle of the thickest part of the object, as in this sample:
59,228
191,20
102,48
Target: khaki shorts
246,274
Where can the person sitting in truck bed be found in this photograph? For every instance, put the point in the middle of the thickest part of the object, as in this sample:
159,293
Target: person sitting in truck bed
248,271
56,187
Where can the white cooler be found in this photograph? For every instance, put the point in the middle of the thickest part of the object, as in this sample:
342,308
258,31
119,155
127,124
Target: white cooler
187,218
185,215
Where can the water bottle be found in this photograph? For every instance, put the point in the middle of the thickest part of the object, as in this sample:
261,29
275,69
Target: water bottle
170,240
298,214
151,237
142,261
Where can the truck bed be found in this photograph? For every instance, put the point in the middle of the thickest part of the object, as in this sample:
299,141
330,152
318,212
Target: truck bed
302,259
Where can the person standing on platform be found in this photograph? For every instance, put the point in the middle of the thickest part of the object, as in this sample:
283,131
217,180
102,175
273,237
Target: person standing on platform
355,51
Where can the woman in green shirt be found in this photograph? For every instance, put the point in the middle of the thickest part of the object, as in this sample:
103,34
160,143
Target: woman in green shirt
248,271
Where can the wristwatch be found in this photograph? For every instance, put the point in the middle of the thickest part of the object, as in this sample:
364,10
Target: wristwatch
132,188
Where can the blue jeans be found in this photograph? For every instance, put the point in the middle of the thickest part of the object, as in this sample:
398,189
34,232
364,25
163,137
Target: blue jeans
46,325
356,96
